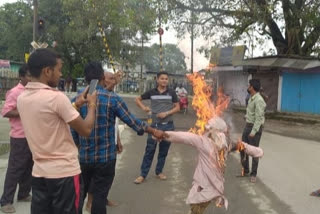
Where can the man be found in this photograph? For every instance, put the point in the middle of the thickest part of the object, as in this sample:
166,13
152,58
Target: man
46,114
164,103
110,81
20,158
98,151
181,91
253,129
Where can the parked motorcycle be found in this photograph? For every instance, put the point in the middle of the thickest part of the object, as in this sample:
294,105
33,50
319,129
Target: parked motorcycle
183,102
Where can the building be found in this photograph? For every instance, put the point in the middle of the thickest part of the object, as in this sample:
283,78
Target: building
292,83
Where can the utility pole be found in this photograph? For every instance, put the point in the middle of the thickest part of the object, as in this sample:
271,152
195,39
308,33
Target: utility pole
160,32
141,56
35,20
192,37
142,62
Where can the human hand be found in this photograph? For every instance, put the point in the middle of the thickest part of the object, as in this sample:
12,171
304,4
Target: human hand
158,134
81,99
162,115
251,135
146,109
118,76
119,147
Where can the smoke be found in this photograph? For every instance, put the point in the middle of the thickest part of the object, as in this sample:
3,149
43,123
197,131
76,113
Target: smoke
199,60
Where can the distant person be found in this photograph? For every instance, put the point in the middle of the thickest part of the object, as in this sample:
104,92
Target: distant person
164,103
20,158
47,115
181,91
255,117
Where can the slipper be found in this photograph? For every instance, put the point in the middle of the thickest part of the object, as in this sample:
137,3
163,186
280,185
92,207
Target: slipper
315,193
139,180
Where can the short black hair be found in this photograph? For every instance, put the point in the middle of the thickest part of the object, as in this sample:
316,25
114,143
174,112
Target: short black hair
40,59
23,70
255,83
93,70
162,73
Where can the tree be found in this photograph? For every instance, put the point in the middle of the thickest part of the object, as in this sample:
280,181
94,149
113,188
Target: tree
72,24
292,25
15,30
173,59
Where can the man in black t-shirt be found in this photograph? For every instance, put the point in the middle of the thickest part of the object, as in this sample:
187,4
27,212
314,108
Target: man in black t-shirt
164,103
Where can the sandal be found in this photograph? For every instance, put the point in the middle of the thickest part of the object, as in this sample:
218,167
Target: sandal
139,180
315,193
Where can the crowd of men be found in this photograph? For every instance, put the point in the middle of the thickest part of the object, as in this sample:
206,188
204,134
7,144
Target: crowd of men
64,150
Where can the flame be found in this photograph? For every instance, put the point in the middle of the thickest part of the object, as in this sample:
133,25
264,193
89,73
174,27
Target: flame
202,104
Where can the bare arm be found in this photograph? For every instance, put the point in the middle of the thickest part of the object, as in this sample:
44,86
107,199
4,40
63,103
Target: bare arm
141,105
12,114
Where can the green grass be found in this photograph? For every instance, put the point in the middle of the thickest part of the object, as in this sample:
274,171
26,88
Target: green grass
4,148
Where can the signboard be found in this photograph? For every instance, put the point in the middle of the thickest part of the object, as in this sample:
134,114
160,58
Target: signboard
4,64
227,56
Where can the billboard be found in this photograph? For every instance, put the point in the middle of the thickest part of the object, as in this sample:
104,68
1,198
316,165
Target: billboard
227,56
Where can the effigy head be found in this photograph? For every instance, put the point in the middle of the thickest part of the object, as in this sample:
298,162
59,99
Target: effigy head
217,129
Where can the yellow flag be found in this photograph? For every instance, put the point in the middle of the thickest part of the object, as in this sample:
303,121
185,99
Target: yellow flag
26,57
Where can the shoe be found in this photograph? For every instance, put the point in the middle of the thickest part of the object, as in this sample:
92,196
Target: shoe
162,176
253,179
8,208
26,199
139,180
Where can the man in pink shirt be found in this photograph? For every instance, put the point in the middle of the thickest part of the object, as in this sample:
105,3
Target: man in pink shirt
47,115
20,159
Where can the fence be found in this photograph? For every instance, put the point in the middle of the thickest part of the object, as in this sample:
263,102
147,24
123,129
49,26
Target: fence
8,80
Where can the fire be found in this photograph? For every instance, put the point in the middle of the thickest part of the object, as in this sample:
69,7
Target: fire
202,104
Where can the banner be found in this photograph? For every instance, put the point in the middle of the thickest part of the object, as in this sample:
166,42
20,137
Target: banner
4,64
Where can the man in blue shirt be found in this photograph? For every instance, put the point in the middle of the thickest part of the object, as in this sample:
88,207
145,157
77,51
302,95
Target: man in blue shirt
98,151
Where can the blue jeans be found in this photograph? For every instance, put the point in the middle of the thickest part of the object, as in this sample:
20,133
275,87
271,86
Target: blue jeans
151,148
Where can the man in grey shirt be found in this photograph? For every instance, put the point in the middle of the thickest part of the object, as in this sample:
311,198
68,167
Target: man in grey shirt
164,103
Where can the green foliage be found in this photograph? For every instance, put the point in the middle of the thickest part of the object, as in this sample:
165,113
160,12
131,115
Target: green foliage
173,59
72,24
293,26
15,30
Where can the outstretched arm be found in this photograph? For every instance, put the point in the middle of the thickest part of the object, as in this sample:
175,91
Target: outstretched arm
184,138
253,151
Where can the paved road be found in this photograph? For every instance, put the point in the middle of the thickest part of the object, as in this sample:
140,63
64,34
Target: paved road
287,173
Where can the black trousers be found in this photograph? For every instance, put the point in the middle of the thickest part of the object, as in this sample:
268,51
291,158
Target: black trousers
101,175
56,196
19,171
255,141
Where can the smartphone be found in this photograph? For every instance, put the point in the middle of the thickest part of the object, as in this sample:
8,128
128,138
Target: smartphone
93,85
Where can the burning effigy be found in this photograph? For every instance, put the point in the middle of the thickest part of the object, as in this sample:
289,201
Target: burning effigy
211,138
